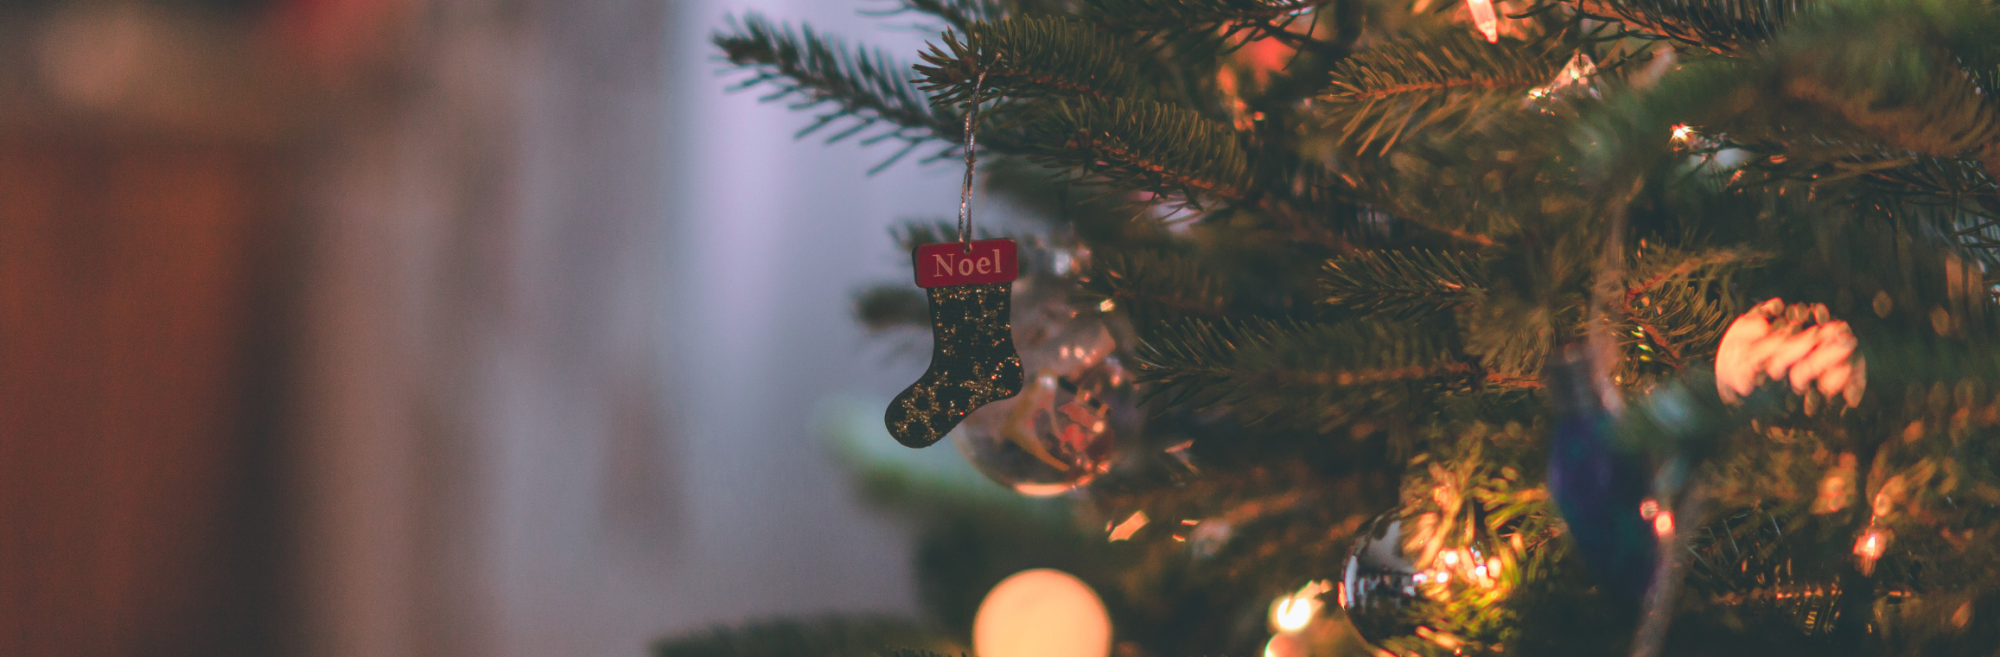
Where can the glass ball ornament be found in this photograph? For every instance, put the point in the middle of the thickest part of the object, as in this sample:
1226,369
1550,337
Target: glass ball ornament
1379,589
1418,584
1076,399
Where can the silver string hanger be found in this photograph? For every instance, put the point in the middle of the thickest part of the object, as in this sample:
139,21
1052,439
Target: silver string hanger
971,163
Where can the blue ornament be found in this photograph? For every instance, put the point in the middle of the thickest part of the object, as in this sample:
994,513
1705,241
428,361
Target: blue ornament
1599,484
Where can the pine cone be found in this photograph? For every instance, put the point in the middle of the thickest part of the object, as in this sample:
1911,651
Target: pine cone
1798,343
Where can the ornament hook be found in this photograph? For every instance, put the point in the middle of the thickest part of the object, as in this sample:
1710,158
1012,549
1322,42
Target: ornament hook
971,163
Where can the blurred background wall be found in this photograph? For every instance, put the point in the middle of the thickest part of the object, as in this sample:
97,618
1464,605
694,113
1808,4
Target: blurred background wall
425,327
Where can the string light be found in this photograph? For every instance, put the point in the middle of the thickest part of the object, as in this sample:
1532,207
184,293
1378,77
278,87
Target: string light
1294,612
1131,525
1484,17
1869,547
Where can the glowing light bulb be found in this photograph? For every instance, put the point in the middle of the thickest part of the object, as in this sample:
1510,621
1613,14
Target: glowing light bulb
1131,525
1663,524
1869,547
1294,612
1293,615
1484,17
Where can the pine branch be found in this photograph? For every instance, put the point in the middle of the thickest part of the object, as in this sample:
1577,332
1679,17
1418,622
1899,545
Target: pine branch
1847,90
1153,286
960,14
1679,304
1878,65
1403,283
1723,26
1437,84
862,85
1313,374
1216,22
1166,149
1028,57
1196,15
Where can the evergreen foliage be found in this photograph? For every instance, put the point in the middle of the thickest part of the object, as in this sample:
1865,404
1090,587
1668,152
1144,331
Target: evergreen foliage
1348,235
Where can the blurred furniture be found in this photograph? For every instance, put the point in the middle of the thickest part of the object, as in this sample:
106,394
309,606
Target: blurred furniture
139,217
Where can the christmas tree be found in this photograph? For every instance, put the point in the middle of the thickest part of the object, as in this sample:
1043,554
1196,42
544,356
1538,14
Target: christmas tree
1431,327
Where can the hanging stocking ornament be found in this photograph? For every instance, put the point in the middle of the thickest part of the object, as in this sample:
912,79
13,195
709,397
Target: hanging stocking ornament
970,284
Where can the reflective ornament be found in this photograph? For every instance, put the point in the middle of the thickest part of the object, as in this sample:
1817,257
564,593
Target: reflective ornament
1041,613
1059,432
1432,583
1379,590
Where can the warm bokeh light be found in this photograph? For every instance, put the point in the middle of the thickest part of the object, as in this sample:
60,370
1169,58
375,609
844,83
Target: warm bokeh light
1041,613
1131,525
1869,548
1286,645
1487,20
1294,612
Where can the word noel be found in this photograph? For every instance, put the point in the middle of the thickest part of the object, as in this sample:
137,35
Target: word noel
960,263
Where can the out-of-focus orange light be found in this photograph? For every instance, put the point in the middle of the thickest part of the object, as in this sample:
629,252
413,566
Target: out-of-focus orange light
1486,19
1663,524
1869,547
1295,611
1130,526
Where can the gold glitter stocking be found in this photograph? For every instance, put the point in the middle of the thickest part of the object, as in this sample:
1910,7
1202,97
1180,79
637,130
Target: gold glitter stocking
973,363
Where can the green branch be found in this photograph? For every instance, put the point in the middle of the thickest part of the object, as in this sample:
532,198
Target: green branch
1166,149
1027,57
1440,84
1405,283
862,85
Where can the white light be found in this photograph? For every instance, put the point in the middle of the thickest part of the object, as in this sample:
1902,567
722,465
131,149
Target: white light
1294,612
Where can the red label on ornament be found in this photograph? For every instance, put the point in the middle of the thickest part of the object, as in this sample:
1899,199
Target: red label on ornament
959,263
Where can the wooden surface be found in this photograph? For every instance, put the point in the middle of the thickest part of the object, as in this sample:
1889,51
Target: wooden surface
133,520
